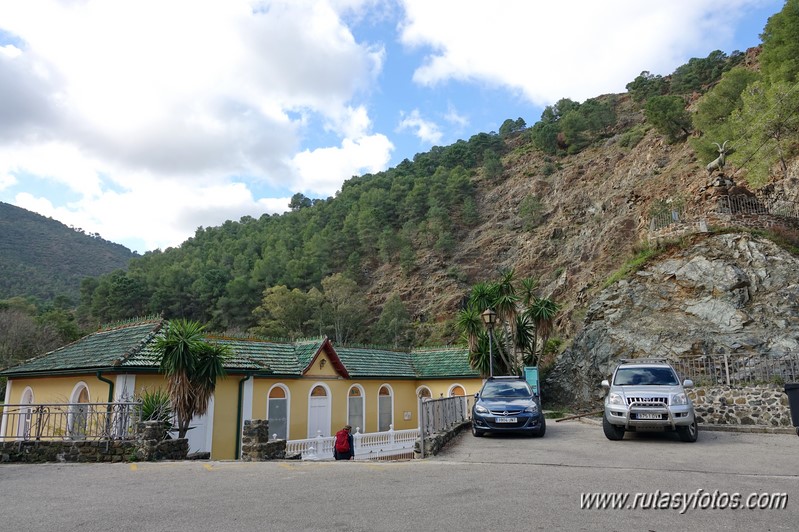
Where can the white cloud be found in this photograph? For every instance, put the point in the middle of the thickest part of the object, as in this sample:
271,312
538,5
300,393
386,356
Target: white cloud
320,169
572,48
6,181
152,106
427,131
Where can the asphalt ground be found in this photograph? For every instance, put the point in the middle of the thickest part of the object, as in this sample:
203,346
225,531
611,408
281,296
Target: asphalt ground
490,483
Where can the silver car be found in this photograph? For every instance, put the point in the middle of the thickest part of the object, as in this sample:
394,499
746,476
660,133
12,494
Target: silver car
647,393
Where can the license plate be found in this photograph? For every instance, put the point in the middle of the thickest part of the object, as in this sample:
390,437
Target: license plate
649,416
506,420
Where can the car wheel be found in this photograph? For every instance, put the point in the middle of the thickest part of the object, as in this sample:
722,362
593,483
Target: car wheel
612,432
688,433
542,429
476,432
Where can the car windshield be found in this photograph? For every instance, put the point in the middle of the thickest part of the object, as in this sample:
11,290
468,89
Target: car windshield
510,389
645,377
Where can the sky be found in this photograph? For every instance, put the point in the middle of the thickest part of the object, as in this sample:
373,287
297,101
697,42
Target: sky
141,121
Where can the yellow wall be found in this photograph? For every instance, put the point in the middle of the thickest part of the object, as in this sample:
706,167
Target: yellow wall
59,389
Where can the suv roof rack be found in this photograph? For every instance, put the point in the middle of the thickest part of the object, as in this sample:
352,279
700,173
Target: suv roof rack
644,360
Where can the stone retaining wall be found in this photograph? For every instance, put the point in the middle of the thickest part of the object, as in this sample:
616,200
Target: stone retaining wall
438,440
765,405
255,444
149,445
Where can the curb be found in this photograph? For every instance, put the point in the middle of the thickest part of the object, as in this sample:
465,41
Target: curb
745,429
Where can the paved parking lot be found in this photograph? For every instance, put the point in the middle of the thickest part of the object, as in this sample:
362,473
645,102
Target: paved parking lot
490,483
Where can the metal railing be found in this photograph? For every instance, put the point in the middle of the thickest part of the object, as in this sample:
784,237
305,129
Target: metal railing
64,421
731,205
737,369
440,414
388,445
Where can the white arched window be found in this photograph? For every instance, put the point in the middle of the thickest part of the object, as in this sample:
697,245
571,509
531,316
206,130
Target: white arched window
356,406
25,415
78,417
277,411
385,408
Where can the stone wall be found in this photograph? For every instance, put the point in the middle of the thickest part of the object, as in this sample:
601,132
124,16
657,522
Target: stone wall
764,405
255,444
433,443
149,445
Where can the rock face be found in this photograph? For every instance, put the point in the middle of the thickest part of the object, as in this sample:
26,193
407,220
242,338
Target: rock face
728,293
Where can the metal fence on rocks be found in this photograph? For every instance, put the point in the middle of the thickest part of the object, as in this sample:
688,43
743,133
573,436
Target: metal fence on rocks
724,205
739,369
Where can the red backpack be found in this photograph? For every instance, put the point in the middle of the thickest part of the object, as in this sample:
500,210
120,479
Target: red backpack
342,441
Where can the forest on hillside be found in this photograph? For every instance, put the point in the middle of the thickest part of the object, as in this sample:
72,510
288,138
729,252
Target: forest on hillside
42,258
425,205
306,272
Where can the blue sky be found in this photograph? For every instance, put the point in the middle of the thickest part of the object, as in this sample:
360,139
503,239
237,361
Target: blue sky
142,121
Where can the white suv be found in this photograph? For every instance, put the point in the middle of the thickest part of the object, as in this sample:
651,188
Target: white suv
646,393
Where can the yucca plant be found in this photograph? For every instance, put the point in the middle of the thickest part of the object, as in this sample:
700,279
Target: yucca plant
156,406
191,367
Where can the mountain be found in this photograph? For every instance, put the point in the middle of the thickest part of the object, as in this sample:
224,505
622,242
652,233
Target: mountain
576,202
44,258
727,293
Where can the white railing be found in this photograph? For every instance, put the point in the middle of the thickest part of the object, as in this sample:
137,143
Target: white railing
368,446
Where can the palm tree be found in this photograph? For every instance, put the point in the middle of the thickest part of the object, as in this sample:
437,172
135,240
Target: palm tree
542,313
522,318
191,367
471,325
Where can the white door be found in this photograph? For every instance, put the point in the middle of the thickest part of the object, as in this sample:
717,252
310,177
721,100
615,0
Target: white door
201,431
318,413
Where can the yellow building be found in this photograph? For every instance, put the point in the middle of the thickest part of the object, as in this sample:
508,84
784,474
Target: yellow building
304,388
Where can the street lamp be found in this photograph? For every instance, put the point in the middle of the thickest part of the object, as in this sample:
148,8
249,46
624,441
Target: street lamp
490,318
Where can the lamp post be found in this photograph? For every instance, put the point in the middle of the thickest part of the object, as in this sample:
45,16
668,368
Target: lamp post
490,318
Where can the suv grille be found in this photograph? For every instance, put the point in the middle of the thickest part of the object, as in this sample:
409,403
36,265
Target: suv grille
648,401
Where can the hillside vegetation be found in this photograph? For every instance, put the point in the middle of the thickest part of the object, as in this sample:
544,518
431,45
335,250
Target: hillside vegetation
43,258
564,201
393,257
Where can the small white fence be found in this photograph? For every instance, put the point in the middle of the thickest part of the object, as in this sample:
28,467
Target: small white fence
393,444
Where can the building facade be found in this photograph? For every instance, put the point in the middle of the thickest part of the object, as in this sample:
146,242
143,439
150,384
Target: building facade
304,388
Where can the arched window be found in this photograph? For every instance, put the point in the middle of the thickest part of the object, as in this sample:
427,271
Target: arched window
355,408
25,414
78,418
319,411
423,393
457,390
385,408
277,411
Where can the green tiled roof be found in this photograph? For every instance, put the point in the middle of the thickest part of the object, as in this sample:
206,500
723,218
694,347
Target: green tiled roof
131,346
366,362
261,355
103,349
305,350
442,362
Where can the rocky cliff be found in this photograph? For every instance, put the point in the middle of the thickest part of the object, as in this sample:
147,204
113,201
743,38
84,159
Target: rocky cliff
722,293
